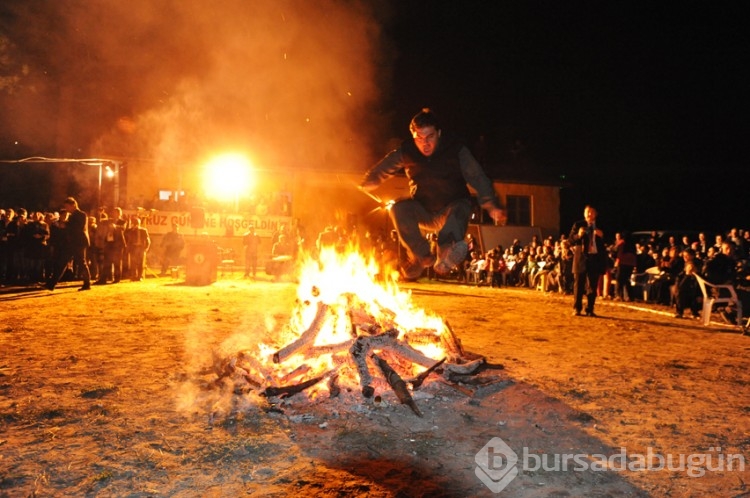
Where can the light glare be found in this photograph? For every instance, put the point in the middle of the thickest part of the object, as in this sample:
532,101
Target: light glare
227,176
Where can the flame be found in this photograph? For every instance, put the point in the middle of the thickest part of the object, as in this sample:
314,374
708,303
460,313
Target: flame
355,290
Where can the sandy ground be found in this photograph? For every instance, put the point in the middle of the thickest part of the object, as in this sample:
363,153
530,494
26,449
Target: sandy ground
102,393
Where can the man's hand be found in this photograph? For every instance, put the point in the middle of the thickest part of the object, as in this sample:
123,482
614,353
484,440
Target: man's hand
498,215
366,188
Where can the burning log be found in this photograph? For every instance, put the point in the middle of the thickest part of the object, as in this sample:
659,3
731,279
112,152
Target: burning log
352,325
417,381
422,336
370,328
286,391
406,351
359,351
347,329
397,384
331,348
333,386
307,336
297,372
389,340
451,343
230,367
464,369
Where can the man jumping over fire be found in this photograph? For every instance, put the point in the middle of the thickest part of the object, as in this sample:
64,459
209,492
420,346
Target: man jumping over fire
439,167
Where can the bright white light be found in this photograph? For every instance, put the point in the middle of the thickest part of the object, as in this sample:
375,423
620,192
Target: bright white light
227,176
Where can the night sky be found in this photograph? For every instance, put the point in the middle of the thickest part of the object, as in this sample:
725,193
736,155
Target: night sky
636,107
641,106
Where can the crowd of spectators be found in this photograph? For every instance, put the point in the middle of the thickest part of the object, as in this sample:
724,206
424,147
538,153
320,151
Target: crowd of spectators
634,266
658,271
31,244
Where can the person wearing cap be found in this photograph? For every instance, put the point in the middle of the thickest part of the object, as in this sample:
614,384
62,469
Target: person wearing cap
439,167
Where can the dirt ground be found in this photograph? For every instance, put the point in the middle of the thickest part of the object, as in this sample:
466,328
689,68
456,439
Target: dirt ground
105,393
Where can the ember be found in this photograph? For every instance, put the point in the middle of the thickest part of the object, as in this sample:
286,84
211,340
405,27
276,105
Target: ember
352,332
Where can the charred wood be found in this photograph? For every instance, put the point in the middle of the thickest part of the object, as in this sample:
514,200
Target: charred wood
333,386
397,384
451,343
300,370
330,348
359,351
464,369
286,391
417,381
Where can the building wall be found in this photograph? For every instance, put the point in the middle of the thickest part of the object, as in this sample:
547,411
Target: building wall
545,204
324,198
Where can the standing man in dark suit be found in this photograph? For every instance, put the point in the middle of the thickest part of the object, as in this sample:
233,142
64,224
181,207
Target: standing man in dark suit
75,245
589,260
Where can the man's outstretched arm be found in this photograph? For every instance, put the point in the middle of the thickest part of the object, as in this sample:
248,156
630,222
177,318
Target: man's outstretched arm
383,170
479,181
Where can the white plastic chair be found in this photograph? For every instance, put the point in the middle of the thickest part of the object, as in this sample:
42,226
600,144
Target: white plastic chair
644,280
718,294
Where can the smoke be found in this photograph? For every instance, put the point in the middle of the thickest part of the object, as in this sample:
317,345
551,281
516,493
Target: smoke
293,83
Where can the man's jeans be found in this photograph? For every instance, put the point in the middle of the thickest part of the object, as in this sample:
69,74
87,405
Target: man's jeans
450,224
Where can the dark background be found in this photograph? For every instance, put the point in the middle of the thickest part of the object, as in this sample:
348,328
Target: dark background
641,108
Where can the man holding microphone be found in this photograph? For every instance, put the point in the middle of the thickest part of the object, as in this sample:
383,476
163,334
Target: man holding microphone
589,260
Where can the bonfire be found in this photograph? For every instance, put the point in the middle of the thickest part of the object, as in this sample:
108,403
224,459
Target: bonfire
353,329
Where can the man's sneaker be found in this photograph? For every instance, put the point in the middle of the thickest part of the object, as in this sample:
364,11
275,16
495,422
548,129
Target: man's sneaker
414,268
450,256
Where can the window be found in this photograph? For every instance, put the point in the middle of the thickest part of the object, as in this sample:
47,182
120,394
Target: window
170,195
518,208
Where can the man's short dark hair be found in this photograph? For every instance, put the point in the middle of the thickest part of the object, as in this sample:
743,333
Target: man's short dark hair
423,119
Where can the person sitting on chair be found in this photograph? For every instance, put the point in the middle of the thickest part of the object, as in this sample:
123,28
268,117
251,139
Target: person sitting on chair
686,289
